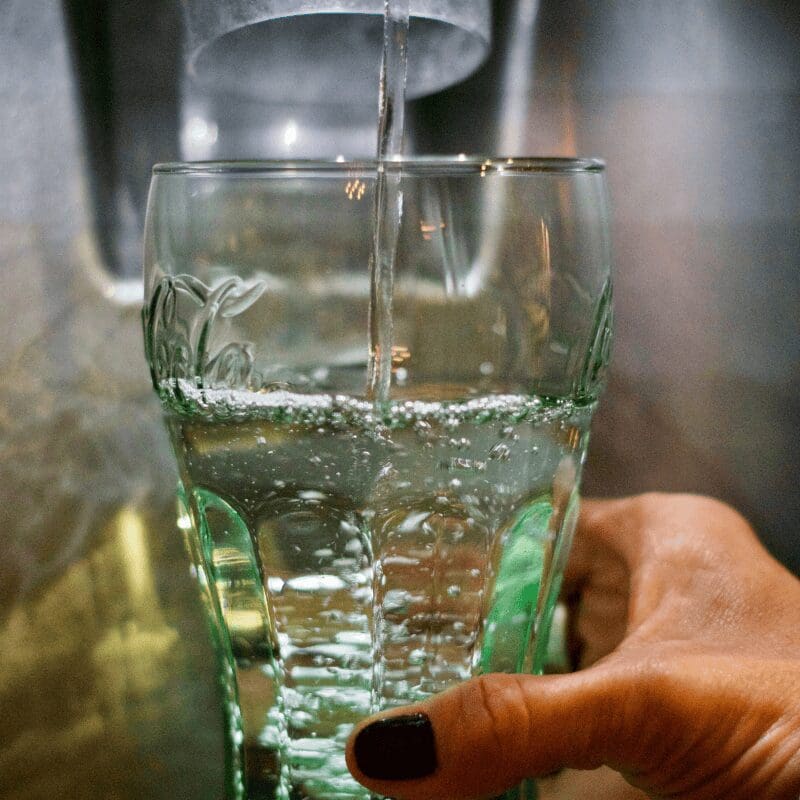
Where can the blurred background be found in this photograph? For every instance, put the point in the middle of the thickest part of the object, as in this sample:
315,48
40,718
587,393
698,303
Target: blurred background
106,687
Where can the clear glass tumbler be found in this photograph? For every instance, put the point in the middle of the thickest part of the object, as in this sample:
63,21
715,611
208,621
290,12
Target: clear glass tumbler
358,553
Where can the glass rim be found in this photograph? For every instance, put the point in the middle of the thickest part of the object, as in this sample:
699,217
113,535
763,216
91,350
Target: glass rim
412,165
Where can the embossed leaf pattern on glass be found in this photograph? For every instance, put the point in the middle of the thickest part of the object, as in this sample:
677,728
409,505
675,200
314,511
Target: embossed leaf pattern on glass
231,368
179,320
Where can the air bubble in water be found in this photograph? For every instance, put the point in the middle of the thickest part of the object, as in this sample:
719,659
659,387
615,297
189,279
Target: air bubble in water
349,528
354,547
396,601
500,452
316,583
413,521
313,495
388,470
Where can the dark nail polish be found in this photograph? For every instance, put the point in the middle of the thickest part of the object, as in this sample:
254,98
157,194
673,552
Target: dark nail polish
397,748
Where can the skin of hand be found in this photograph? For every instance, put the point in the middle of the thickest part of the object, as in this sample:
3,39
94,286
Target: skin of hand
688,638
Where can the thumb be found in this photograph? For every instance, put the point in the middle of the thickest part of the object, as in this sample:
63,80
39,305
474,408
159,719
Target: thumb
488,734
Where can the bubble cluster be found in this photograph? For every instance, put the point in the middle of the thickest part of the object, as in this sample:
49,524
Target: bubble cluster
344,412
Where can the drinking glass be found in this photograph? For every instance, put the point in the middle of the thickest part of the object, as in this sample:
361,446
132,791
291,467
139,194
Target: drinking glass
358,552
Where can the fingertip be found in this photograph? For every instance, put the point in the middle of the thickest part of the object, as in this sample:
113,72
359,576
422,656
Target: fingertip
483,736
397,747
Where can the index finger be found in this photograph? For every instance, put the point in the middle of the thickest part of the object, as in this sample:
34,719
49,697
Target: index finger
608,536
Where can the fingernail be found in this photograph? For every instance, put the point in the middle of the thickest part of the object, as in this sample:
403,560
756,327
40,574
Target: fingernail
396,748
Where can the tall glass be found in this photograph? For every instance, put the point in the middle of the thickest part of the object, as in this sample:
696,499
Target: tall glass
357,553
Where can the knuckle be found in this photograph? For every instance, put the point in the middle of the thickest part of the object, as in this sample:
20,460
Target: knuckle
696,522
504,709
655,503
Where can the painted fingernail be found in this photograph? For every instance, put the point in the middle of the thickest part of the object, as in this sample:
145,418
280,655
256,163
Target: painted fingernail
396,748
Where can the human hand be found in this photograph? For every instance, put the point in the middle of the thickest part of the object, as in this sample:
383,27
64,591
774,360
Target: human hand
689,632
